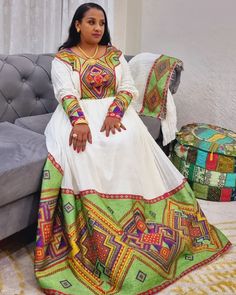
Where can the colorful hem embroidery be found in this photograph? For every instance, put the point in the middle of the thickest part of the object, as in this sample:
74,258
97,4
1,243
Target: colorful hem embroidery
92,245
127,196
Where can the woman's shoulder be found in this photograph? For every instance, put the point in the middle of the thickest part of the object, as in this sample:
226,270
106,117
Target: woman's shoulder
66,56
114,50
114,55
65,52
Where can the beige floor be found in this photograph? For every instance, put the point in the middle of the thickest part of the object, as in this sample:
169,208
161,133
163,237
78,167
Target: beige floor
219,277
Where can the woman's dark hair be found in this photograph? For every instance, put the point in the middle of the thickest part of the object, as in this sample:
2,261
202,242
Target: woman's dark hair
74,36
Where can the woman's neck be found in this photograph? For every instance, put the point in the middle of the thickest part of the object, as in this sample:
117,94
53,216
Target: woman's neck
87,46
89,52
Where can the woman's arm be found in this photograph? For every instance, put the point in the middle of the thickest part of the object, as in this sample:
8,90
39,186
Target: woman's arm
68,95
126,91
66,92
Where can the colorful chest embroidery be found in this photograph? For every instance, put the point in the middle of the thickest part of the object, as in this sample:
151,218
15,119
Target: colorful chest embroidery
98,80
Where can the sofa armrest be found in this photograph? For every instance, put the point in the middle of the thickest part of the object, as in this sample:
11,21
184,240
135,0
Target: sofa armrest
175,79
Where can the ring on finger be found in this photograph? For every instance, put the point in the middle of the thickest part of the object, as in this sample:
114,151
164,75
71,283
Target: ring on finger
74,135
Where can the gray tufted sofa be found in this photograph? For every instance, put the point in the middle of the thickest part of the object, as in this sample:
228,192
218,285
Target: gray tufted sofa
26,103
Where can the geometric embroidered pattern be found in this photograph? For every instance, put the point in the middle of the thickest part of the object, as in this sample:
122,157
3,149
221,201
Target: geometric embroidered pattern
65,284
155,94
109,245
189,257
97,81
68,207
72,107
120,104
46,174
141,276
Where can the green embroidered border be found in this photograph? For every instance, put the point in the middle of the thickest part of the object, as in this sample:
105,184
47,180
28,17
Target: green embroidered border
155,95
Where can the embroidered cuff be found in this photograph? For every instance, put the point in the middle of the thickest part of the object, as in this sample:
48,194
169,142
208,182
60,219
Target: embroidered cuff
71,106
120,104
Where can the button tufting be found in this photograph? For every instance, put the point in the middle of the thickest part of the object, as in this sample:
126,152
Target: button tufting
23,80
37,98
9,100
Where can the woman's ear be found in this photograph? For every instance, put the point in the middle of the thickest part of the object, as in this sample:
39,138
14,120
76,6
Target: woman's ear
77,26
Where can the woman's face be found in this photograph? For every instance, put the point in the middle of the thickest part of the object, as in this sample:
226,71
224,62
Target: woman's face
92,26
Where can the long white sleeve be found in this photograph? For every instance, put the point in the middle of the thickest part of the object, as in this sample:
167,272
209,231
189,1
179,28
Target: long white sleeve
66,86
125,92
65,81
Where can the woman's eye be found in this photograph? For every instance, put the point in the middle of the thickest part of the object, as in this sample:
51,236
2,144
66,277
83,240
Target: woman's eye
91,22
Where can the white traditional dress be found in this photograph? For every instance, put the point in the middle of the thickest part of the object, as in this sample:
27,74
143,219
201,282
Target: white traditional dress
118,218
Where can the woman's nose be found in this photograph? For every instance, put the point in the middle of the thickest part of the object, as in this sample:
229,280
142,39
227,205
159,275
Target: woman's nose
97,27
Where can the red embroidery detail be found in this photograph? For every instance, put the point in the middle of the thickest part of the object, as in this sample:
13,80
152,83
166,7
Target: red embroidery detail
125,196
54,163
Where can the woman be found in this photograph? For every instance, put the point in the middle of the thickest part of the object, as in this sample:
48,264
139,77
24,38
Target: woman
115,215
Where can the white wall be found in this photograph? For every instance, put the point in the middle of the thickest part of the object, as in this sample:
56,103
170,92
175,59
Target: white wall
203,34
127,23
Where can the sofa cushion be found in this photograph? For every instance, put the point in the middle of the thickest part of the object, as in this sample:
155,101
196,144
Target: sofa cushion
153,125
19,214
34,123
22,156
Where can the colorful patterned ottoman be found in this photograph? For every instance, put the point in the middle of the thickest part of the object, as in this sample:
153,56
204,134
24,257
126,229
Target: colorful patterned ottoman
206,155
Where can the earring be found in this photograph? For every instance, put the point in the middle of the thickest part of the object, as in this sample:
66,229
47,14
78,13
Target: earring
78,30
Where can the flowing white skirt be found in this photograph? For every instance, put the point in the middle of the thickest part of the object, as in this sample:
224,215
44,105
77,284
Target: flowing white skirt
127,163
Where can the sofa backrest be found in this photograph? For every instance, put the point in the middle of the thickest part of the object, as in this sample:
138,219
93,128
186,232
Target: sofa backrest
25,86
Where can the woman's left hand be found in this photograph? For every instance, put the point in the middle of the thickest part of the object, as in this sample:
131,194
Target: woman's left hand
111,124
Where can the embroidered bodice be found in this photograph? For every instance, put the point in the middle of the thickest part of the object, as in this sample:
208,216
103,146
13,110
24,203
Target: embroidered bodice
75,78
98,80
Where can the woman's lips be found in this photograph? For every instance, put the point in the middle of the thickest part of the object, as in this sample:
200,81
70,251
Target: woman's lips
97,35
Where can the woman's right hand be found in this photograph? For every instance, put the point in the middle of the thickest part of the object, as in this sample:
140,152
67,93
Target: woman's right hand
79,136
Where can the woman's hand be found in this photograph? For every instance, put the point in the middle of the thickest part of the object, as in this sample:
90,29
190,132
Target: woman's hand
79,136
112,124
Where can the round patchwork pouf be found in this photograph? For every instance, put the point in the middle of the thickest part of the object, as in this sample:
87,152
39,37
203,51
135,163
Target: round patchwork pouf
206,155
